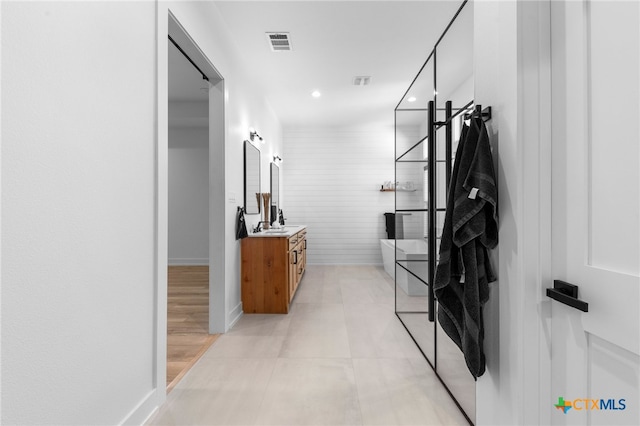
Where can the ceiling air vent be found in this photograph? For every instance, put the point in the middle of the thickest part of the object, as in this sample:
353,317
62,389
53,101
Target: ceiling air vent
362,80
279,42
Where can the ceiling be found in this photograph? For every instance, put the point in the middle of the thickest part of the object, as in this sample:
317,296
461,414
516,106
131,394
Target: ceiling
332,42
185,81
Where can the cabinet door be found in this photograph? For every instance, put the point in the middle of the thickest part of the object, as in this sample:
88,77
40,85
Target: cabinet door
304,253
293,264
300,263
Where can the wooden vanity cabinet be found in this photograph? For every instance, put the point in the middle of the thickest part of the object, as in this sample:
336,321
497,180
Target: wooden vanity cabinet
297,261
271,270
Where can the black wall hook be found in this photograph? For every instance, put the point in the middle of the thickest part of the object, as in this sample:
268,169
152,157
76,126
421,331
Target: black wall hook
485,113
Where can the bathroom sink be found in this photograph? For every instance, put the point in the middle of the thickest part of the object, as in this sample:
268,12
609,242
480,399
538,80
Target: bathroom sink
275,231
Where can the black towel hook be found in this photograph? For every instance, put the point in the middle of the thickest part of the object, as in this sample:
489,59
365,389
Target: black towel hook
485,113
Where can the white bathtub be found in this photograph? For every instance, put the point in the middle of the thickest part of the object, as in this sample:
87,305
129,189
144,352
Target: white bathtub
407,250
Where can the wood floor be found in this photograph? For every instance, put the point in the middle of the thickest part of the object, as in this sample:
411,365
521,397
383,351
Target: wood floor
187,319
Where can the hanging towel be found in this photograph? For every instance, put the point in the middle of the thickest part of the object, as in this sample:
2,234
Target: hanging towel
241,226
470,228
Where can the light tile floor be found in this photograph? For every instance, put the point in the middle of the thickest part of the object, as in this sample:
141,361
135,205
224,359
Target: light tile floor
341,357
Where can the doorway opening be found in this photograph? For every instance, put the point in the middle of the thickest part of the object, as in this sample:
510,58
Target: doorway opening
195,179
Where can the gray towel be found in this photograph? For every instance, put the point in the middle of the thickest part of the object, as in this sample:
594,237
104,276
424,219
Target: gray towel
464,272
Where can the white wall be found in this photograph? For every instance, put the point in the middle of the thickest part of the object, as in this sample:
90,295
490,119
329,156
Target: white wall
82,131
188,196
78,155
495,28
415,225
509,45
332,179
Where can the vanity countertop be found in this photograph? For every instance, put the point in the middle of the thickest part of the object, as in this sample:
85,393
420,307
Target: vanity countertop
286,231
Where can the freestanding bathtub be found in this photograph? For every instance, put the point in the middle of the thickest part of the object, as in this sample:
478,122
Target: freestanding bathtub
406,250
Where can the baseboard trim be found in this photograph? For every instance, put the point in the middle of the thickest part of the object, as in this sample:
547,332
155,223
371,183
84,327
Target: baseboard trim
145,409
188,262
235,315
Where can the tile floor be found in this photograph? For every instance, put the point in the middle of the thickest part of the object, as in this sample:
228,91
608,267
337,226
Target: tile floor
341,357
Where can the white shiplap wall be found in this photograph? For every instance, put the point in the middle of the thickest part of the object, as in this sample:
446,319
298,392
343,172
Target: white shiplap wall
413,223
331,182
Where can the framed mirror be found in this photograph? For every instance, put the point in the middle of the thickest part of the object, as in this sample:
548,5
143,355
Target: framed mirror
275,191
251,178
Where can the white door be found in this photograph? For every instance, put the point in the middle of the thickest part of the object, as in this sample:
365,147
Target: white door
595,355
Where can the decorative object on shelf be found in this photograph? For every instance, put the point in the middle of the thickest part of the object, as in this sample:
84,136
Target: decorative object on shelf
389,186
266,198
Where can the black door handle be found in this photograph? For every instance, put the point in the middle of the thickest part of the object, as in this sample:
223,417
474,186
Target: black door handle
567,293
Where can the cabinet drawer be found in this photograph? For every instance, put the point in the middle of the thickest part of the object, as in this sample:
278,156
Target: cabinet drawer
293,241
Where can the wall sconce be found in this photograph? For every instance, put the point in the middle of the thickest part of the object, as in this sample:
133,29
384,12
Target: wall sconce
276,157
253,134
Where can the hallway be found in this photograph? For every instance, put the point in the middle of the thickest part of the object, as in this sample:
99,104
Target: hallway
341,357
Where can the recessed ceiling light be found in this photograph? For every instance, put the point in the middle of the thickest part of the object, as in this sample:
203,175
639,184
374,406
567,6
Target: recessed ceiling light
316,94
411,99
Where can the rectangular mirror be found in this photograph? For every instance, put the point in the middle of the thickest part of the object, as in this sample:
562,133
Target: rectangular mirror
275,191
251,178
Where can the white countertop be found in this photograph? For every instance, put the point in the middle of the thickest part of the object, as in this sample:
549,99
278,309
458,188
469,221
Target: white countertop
285,231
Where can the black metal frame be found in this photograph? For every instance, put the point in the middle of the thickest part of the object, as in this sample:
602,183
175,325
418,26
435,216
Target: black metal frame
204,76
470,111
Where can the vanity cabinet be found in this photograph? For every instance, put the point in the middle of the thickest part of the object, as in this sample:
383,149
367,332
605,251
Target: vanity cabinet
297,261
271,269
